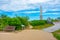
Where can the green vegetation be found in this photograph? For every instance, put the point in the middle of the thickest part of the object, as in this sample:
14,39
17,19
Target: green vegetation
15,21
40,24
37,22
57,34
18,21
55,20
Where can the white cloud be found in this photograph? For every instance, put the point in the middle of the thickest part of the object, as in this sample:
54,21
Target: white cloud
53,4
50,13
55,13
27,12
55,9
14,5
3,2
44,10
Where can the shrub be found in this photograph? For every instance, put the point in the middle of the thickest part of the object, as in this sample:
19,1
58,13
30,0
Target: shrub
38,22
14,21
57,35
18,27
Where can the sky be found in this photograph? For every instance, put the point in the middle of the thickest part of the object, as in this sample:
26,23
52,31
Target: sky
30,8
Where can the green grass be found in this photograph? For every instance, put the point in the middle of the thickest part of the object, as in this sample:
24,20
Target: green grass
55,20
42,26
56,34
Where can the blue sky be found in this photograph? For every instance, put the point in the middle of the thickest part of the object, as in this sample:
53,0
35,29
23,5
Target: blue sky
30,8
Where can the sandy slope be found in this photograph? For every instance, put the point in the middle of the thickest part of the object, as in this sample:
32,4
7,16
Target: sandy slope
27,35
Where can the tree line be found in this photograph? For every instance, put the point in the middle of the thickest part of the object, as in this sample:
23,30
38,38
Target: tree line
16,21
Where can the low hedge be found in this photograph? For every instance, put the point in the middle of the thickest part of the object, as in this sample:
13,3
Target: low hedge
38,22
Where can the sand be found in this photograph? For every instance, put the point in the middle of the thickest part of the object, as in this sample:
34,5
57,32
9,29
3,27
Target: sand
26,35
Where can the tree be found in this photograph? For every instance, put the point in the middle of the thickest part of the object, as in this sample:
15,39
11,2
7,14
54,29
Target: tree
14,21
3,21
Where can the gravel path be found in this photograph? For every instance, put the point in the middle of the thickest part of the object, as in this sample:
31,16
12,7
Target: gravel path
53,28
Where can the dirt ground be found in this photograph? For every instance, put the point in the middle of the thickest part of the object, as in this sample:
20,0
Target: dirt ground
26,35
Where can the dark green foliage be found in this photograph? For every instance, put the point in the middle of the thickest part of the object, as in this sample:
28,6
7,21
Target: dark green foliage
15,21
24,20
57,35
18,28
38,22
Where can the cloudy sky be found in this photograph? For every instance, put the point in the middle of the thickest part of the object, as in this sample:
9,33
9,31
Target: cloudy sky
31,8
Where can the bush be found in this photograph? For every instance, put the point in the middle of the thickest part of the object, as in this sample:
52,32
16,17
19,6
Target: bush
38,22
57,35
18,28
14,21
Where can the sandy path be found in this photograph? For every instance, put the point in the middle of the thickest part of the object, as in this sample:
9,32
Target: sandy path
27,35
